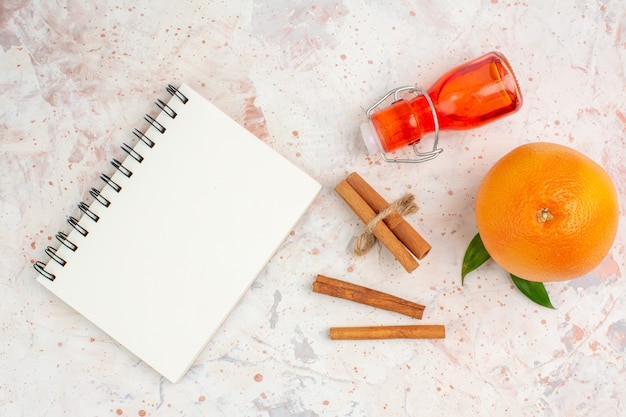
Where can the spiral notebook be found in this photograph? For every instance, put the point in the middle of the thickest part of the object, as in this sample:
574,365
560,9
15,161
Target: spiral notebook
177,232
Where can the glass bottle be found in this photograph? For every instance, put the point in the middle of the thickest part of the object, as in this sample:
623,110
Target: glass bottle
467,96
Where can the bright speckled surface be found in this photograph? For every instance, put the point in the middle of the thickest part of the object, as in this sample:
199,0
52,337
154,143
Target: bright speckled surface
76,78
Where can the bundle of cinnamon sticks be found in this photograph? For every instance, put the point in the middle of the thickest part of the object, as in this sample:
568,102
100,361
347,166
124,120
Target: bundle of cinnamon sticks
393,231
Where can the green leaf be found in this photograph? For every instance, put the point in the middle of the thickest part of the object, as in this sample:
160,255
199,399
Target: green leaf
536,291
475,256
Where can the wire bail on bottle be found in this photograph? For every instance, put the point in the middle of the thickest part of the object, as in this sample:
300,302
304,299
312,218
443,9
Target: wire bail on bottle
397,95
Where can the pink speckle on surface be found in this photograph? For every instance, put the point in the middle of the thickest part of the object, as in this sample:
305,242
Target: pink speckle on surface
573,337
617,334
621,117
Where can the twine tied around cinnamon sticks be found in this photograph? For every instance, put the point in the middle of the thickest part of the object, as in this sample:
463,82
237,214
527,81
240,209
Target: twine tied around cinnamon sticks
403,206
391,229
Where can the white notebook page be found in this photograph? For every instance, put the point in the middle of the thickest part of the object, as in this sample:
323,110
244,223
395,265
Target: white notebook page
185,237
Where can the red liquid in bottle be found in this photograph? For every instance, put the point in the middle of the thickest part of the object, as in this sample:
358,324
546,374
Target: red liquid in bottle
468,96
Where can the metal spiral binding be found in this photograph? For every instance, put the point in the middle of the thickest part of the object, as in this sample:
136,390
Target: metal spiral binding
97,194
133,153
41,268
158,126
143,138
73,221
52,253
121,168
174,91
62,237
116,187
85,209
166,109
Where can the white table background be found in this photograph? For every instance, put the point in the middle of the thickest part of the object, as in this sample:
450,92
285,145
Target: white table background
77,76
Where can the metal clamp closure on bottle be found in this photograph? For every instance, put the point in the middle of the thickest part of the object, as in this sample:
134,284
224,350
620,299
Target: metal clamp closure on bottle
420,156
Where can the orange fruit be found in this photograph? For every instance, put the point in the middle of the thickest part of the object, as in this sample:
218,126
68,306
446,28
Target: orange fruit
546,212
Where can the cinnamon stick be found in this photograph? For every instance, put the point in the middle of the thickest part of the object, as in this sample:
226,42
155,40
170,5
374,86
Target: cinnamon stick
398,225
423,331
381,231
363,295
